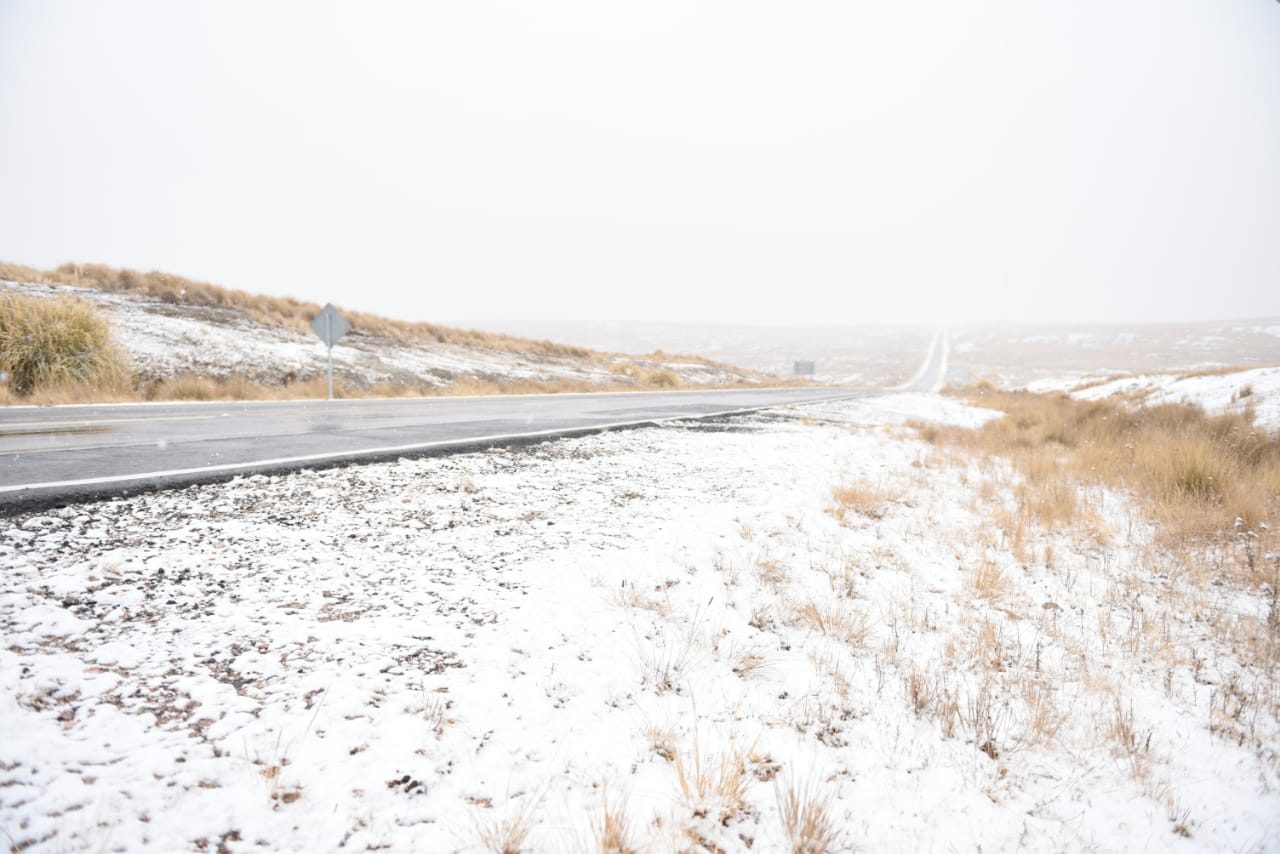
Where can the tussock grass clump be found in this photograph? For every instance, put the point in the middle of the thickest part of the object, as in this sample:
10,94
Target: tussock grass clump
709,786
58,345
807,820
612,830
642,376
833,620
508,834
1197,473
858,498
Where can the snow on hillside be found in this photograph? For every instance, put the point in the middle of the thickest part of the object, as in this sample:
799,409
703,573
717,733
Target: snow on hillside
1016,355
678,626
166,340
1236,391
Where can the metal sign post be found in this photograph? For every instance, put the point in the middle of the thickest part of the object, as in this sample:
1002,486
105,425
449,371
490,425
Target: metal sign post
329,326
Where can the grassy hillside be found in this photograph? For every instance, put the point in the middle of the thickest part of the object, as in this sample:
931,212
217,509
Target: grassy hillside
194,340
284,312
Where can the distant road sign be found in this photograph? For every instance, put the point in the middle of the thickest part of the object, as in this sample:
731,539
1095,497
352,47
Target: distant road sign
805,369
329,326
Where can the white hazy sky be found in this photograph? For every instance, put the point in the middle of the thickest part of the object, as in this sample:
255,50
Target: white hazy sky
806,162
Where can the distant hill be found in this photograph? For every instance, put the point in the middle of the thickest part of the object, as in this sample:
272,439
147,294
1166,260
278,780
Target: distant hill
176,331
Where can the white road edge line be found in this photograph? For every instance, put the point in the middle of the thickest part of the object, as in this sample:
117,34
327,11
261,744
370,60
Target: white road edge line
391,449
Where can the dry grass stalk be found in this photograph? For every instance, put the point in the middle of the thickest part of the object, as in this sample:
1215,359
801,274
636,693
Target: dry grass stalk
987,581
1133,747
773,573
612,829
834,621
932,697
708,785
663,741
510,834
807,820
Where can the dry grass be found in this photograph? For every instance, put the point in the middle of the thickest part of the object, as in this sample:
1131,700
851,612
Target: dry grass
772,572
708,785
933,697
200,387
1132,746
834,620
239,387
642,376
663,742
807,820
612,830
1196,473
58,348
510,834
858,498
988,581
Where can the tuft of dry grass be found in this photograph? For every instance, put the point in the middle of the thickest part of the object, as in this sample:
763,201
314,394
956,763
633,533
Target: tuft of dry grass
612,829
834,620
858,498
1131,746
509,834
58,347
988,581
806,819
933,697
709,785
663,742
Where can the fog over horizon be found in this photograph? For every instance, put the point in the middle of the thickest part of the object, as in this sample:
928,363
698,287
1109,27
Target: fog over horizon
823,164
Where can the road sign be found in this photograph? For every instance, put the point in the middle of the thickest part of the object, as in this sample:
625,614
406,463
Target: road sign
329,326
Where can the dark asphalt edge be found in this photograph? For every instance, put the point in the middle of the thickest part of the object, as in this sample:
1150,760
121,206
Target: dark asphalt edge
42,500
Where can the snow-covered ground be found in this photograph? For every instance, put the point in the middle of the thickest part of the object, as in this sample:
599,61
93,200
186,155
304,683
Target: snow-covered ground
683,623
1015,356
1257,390
166,340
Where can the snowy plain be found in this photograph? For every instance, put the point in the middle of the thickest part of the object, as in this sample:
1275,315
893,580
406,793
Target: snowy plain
676,622
1015,356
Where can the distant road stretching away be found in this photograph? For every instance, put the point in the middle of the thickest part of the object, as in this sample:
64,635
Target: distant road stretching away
50,455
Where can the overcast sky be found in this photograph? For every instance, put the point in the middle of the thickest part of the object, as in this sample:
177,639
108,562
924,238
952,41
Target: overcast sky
800,162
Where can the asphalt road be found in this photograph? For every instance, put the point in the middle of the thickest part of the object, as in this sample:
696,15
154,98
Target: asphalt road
52,455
